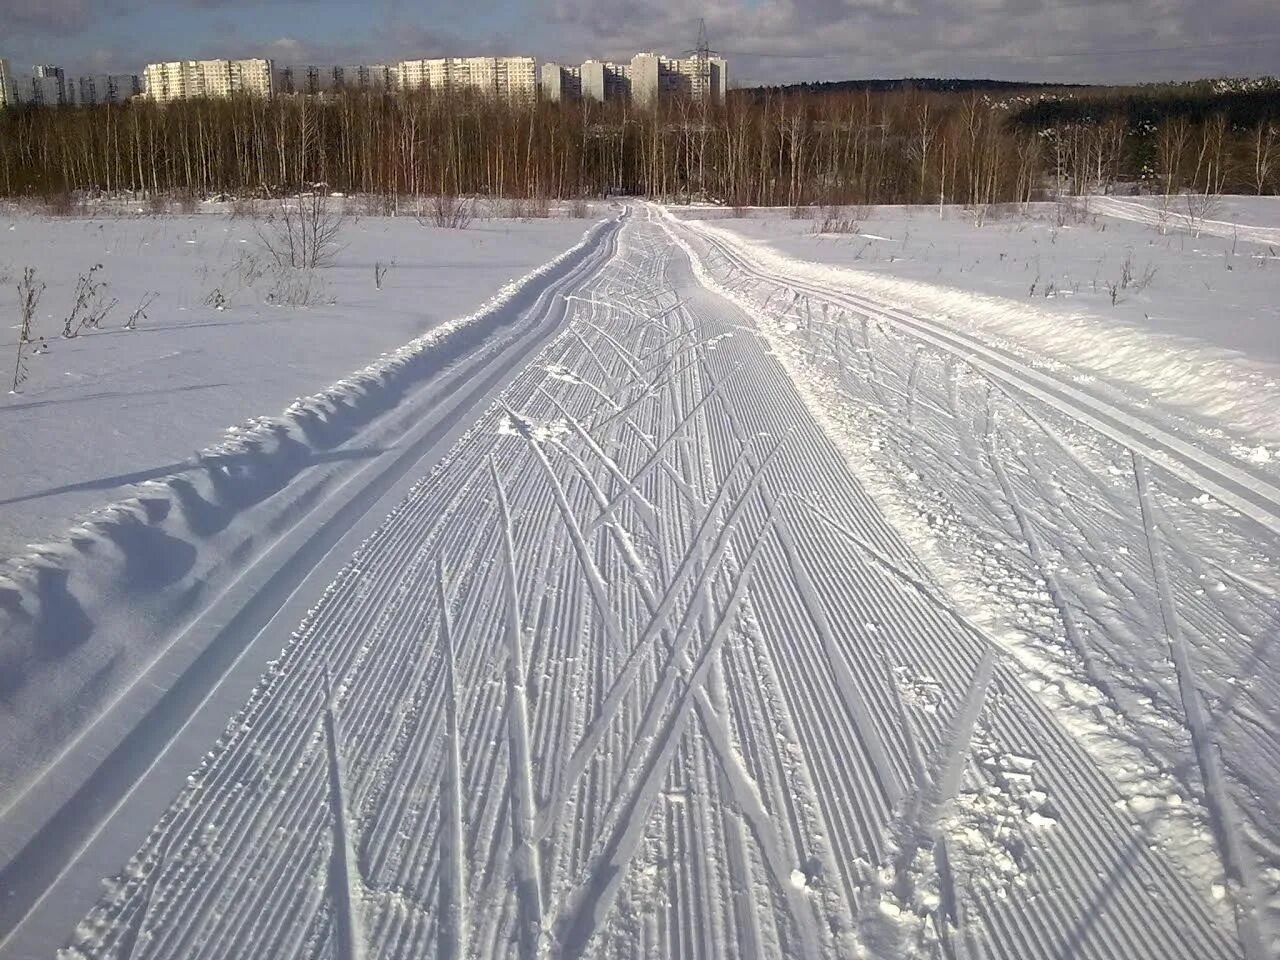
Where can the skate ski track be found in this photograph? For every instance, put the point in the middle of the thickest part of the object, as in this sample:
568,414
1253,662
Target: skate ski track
641,668
1179,216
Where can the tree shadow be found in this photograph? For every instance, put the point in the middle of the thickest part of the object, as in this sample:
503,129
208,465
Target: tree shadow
175,470
107,395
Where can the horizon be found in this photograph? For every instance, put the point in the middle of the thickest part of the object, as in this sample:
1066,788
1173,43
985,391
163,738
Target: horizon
767,42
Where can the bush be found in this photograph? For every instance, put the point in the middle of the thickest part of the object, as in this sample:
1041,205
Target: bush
302,232
455,213
64,204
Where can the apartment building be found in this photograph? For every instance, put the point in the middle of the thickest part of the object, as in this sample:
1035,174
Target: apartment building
44,86
560,82
602,80
186,79
8,91
372,77
312,80
103,88
509,77
48,84
654,77
646,79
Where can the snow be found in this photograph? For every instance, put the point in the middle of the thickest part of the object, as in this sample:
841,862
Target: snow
703,593
1203,335
1066,589
114,407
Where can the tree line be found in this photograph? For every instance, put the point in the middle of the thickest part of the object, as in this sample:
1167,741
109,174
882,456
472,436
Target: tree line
757,148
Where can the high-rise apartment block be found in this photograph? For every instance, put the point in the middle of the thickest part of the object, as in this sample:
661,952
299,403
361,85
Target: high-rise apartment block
44,86
48,85
314,80
647,78
375,77
513,78
560,82
103,88
186,79
700,78
602,80
8,90
593,80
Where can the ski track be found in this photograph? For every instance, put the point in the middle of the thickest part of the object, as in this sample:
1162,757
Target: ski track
642,669
1182,216
1032,511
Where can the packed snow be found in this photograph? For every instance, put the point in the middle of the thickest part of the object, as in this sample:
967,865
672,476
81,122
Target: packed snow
113,407
1192,321
720,587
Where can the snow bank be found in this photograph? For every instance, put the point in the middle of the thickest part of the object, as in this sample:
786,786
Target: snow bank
150,561
1241,393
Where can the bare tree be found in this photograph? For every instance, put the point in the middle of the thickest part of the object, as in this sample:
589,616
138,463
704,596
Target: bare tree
1201,207
1266,154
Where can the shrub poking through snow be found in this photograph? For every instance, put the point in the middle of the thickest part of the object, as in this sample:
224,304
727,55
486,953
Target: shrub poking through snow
302,232
452,212
29,292
89,308
140,312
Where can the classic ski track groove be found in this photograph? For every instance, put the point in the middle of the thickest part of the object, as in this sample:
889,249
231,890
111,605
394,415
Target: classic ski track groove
609,683
1231,483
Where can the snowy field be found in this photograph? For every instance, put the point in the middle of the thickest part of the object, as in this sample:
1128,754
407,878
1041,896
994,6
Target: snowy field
112,407
723,588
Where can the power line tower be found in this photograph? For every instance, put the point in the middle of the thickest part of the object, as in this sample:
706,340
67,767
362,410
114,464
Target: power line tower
702,70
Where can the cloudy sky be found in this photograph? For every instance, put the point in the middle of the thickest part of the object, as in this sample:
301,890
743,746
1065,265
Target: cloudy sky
767,41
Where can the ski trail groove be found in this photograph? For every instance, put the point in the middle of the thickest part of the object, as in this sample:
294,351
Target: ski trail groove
683,692
345,874
1238,867
453,899
522,803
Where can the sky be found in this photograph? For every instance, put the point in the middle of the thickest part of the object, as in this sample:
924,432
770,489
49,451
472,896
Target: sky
765,41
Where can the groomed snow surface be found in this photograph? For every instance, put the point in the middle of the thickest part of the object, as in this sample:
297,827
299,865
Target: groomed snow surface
722,588
113,407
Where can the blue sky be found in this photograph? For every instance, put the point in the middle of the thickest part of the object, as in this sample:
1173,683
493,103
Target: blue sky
766,40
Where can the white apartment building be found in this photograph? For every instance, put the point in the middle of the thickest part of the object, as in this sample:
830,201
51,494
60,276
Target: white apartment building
648,77
654,76
8,90
602,80
508,77
185,79
560,82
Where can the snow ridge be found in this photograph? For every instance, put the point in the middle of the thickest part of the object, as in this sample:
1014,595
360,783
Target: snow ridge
82,617
1237,391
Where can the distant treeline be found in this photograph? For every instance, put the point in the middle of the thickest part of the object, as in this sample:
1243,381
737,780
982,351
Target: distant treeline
906,145
906,84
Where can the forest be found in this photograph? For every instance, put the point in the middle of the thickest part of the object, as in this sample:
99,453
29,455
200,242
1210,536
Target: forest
797,147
